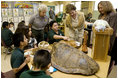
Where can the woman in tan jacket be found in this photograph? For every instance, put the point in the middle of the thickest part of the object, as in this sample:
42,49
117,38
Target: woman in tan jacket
75,22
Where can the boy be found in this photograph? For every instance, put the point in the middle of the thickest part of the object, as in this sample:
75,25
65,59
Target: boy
17,58
6,34
41,63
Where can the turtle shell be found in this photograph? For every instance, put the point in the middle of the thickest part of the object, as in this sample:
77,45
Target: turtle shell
70,60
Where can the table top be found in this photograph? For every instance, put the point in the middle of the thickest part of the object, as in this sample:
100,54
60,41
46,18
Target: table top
102,73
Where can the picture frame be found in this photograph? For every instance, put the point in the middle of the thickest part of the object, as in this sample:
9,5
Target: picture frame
10,19
16,19
15,12
4,12
4,19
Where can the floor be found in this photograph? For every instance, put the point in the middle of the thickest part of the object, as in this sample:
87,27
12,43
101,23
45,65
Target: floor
5,65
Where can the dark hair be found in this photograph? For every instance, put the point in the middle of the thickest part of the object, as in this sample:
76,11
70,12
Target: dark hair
21,25
11,23
17,38
70,7
4,24
52,22
23,21
25,31
41,59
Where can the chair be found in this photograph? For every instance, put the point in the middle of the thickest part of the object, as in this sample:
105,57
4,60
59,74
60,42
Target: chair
6,48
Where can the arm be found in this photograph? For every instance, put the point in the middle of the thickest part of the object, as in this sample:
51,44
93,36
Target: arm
35,43
27,60
30,25
60,37
113,23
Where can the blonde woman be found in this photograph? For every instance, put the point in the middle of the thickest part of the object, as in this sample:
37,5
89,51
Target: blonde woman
38,22
75,22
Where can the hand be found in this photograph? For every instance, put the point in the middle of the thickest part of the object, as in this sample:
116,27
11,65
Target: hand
47,72
65,38
29,29
15,70
27,60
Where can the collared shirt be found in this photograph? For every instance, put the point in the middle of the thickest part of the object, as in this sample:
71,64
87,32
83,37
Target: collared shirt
6,36
34,74
38,23
17,58
51,34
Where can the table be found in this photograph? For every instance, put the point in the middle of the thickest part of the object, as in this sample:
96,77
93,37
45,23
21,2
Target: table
102,73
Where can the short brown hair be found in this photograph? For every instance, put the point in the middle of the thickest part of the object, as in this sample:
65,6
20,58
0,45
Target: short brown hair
70,7
107,6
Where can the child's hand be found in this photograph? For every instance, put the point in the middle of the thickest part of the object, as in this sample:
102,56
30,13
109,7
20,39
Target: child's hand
16,70
27,60
47,72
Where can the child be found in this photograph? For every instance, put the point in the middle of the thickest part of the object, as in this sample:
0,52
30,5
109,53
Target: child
12,27
32,43
17,58
55,35
6,34
41,63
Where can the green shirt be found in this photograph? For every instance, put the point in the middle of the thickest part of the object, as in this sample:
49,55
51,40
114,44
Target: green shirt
34,74
6,36
51,33
17,58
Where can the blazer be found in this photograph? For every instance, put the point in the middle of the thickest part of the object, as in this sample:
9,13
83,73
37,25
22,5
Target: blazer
81,21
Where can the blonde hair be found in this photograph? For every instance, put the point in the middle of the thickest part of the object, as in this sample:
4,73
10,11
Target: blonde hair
107,6
42,7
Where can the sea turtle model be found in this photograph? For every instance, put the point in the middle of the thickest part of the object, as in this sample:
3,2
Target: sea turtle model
70,60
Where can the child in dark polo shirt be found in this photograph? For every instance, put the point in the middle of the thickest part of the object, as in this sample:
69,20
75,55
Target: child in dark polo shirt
6,34
55,35
17,58
41,64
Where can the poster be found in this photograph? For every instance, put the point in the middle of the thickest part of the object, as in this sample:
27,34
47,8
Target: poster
4,12
15,12
21,13
30,12
27,19
25,12
16,19
10,19
4,19
10,12
21,18
35,11
15,24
